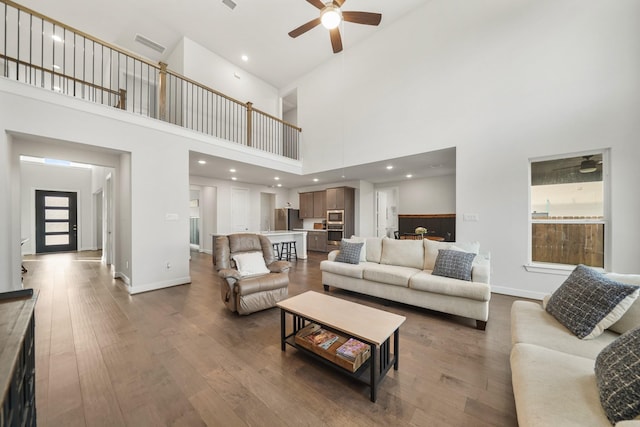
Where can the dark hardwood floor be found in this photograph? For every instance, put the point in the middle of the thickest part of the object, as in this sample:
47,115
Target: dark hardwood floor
178,357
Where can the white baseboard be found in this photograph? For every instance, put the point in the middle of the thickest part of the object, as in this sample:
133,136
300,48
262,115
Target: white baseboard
159,285
123,277
517,292
207,251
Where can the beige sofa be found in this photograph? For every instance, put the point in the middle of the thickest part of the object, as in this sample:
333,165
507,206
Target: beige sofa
400,270
553,376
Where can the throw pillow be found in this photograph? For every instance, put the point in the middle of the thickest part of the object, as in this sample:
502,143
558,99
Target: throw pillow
349,252
250,264
587,302
631,317
618,377
363,251
454,264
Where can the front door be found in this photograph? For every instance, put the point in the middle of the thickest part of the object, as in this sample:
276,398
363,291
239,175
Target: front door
56,221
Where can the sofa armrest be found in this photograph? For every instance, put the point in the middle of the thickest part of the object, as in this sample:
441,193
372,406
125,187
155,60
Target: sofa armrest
229,273
332,255
628,423
481,270
279,266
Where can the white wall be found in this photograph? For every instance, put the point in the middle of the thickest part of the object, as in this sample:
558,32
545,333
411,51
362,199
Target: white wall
37,176
433,195
223,201
502,82
216,72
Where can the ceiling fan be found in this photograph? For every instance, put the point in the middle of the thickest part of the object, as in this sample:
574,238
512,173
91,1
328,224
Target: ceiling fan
588,165
330,17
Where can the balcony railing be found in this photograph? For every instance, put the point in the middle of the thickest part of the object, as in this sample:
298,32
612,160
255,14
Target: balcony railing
43,52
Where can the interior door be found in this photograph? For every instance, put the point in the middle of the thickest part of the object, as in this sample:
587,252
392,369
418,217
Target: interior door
239,210
56,221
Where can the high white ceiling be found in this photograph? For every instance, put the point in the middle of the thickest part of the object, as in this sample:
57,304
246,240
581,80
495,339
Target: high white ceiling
256,28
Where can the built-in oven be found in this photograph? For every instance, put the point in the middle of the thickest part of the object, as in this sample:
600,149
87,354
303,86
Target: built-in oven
335,217
335,233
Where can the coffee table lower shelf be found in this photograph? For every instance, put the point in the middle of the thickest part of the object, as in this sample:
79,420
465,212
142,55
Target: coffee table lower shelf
371,372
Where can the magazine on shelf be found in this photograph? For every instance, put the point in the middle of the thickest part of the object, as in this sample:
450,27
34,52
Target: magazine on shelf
351,349
322,338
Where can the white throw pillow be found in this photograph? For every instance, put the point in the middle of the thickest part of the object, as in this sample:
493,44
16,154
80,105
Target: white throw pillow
250,264
631,318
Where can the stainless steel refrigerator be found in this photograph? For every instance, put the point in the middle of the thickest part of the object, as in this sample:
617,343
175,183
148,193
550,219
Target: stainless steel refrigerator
288,219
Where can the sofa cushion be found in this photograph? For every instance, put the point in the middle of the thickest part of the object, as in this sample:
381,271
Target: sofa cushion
553,388
618,376
349,252
587,302
374,248
424,281
531,324
631,318
431,249
454,264
343,269
389,274
406,253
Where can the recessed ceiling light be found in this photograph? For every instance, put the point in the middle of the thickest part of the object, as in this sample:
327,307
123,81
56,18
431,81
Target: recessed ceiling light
245,58
202,162
436,166
279,185
232,170
315,180
233,178
56,38
389,167
57,89
408,175
277,178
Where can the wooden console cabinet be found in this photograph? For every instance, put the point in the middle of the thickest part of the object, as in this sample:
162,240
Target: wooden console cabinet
17,358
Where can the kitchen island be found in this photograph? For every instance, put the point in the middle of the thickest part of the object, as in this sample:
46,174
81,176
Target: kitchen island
300,237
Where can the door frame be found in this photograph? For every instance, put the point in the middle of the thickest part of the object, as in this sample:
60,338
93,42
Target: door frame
74,214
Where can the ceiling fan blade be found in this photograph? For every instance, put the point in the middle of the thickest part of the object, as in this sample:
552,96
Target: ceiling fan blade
304,28
339,3
366,18
316,3
336,40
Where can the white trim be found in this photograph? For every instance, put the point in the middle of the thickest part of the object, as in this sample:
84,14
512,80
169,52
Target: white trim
123,277
160,285
557,269
503,290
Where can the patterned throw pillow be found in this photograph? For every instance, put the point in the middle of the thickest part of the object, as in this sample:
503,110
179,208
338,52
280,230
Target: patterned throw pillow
349,252
454,264
587,302
618,376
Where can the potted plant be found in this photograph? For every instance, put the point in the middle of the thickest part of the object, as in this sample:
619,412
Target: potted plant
421,231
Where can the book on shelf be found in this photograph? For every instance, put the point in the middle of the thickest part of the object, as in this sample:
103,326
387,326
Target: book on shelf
351,349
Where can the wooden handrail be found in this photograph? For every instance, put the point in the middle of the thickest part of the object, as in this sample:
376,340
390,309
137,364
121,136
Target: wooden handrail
277,119
55,73
81,33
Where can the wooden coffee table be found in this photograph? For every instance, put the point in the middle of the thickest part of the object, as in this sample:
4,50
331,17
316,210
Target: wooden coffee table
369,325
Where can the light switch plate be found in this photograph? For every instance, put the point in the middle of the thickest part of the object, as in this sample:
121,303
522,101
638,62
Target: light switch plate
471,217
171,217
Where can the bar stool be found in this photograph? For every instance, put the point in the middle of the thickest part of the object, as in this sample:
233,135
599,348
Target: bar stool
276,250
289,250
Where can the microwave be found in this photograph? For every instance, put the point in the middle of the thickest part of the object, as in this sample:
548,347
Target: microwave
335,217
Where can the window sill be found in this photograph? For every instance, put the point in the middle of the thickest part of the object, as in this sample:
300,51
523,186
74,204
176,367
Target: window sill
557,269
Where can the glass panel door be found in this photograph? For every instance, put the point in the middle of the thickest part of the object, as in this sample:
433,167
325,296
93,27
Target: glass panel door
56,221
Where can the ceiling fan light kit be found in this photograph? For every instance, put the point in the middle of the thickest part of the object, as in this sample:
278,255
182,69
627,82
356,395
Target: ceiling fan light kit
588,166
331,16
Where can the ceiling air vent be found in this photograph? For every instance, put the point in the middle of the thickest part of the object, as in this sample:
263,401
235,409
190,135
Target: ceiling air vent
229,3
150,43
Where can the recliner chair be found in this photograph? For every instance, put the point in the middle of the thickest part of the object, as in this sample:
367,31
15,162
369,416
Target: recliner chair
248,294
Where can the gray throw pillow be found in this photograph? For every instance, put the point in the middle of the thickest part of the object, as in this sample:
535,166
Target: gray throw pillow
618,377
587,302
454,264
349,252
